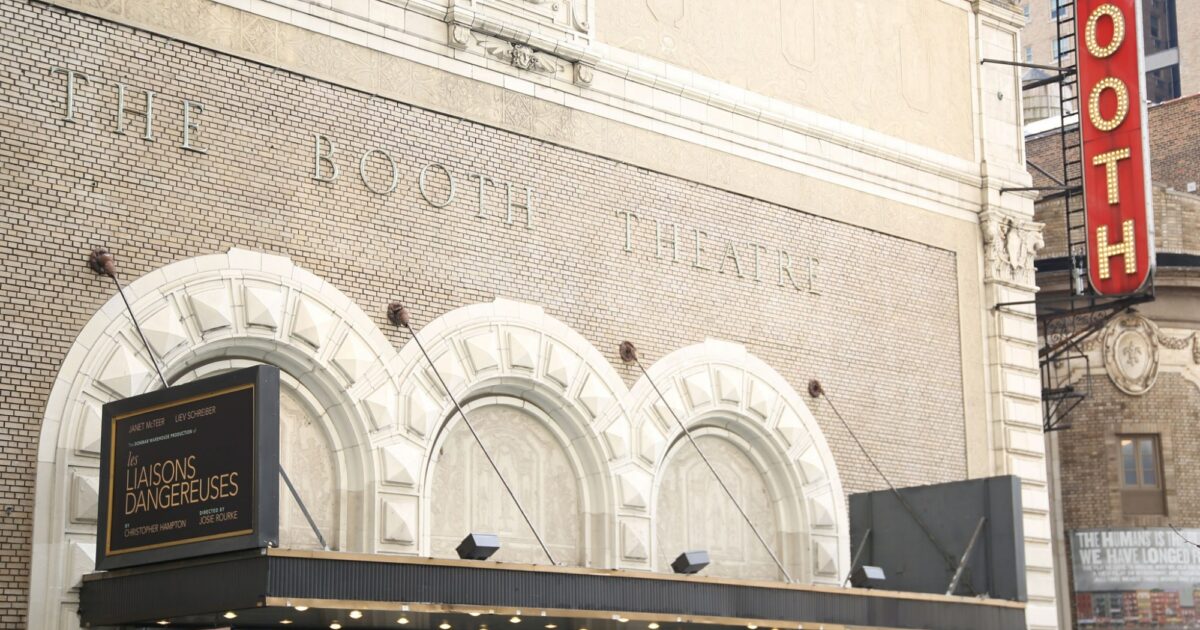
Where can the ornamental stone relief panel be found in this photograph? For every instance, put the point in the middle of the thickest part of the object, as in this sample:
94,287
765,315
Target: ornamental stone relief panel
693,512
466,495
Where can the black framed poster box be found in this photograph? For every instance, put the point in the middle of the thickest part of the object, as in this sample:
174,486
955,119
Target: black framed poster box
191,470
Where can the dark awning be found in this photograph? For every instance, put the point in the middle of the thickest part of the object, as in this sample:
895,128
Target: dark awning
265,589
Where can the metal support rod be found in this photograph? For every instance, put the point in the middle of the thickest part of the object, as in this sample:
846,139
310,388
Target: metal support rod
398,315
1043,171
1021,64
962,564
629,354
101,261
303,509
862,544
1033,188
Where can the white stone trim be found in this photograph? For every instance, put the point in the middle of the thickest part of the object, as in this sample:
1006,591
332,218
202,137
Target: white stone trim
679,103
721,380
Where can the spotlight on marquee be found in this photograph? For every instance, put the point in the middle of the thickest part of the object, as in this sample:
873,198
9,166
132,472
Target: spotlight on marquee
690,561
478,546
867,577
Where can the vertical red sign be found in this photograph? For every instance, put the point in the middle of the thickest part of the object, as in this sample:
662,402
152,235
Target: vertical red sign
1116,153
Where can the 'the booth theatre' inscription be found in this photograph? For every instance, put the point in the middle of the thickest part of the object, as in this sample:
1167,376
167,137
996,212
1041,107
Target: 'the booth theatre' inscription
486,196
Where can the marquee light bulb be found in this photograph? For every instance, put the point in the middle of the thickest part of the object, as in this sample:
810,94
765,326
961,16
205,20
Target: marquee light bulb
653,626
335,626
402,621
514,619
475,614
444,626
230,615
301,608
285,622
356,614
162,622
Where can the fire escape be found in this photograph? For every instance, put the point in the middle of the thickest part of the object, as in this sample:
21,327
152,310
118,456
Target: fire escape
1066,321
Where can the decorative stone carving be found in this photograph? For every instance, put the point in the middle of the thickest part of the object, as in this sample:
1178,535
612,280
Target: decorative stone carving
381,406
1180,343
1131,353
579,16
1009,247
460,36
650,441
312,322
353,357
633,547
560,364
617,437
790,427
126,373
824,556
164,330
81,559
87,441
520,56
263,306
398,464
211,309
85,497
699,388
397,527
594,396
584,74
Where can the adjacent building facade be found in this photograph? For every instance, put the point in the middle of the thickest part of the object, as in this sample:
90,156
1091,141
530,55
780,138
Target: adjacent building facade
755,195
1172,56
1124,473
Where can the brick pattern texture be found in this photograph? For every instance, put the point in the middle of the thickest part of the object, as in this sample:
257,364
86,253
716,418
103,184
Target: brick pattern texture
882,335
1174,146
1175,161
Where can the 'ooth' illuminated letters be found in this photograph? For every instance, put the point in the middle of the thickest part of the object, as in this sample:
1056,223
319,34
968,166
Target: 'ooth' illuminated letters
1115,145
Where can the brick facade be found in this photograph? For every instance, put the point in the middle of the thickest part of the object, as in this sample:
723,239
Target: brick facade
1089,452
1174,146
882,306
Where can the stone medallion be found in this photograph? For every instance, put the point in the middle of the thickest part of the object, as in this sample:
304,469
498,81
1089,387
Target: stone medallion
1130,354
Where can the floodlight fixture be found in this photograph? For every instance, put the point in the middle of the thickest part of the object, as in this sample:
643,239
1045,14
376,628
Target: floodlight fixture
867,577
690,561
478,546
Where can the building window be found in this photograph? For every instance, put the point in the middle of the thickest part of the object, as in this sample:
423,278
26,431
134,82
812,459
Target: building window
1141,475
1028,13
1029,54
1058,8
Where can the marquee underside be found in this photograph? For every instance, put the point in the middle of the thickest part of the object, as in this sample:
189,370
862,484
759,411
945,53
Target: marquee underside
263,589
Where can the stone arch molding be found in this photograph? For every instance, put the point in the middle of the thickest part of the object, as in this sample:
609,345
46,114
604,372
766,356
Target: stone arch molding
718,388
385,411
505,353
199,314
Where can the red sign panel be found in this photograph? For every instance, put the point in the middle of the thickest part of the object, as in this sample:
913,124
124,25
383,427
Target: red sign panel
1116,154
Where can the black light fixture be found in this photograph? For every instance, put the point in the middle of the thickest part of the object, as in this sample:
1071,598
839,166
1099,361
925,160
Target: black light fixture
690,561
867,577
478,546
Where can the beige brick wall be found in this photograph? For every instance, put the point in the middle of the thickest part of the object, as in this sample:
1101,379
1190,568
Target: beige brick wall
883,335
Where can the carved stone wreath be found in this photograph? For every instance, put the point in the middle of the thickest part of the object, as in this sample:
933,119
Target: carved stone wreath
1131,354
